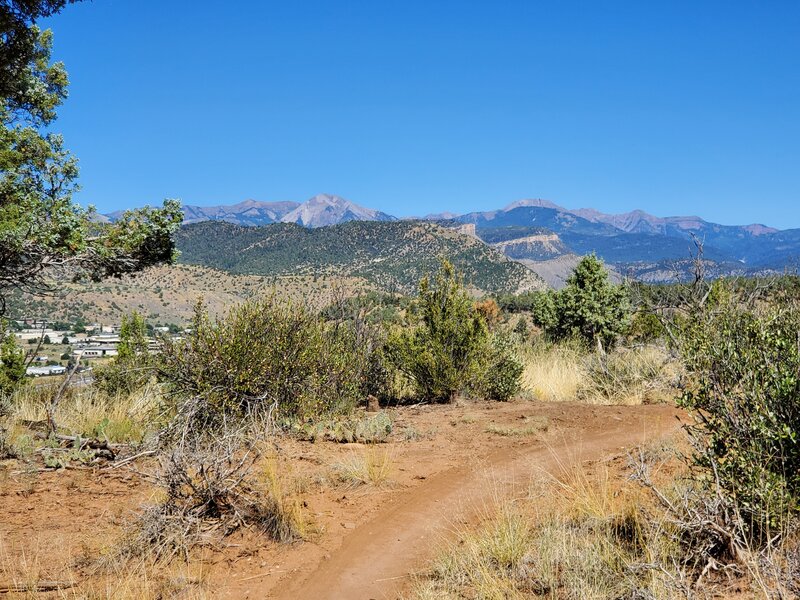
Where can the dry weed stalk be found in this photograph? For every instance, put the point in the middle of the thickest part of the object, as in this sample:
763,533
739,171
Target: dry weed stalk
208,491
705,524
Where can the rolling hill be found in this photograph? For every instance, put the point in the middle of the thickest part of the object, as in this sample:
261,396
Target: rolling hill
167,294
391,255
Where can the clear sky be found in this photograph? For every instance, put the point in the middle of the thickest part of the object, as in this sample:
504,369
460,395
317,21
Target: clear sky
415,106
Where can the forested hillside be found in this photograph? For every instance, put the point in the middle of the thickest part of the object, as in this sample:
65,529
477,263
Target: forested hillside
391,255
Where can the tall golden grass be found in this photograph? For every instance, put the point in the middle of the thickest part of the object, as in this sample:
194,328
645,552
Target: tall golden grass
553,373
565,372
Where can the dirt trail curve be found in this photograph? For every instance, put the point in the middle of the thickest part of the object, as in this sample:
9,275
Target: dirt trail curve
374,561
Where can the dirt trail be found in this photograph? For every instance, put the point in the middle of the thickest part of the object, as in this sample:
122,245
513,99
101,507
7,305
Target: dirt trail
375,560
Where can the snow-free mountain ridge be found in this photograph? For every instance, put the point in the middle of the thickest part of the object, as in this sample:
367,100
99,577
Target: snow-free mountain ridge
532,230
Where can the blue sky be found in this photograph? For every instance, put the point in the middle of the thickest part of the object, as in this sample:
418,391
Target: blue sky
415,107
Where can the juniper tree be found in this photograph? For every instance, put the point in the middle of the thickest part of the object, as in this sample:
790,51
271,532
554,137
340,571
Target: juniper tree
42,230
441,354
591,307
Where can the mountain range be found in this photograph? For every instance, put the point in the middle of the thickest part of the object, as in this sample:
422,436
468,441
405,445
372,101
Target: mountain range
548,238
319,211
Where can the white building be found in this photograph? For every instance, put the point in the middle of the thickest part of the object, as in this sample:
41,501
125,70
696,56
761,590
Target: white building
95,352
44,371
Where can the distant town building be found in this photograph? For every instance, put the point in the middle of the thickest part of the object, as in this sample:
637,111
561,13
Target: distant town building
36,334
104,338
95,352
45,371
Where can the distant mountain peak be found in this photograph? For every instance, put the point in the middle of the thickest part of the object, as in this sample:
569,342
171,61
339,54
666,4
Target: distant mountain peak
328,209
759,229
327,200
442,216
533,202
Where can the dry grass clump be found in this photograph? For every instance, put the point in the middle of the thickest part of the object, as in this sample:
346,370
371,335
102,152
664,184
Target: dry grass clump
630,376
481,564
624,376
373,467
553,373
123,418
583,534
37,563
146,583
41,572
280,494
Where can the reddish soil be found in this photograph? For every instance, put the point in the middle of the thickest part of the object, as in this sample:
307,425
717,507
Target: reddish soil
448,466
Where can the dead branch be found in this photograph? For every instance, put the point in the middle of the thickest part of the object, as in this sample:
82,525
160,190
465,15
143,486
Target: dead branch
109,450
39,586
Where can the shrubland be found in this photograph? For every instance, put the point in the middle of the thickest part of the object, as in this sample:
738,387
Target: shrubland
742,352
208,408
268,355
723,512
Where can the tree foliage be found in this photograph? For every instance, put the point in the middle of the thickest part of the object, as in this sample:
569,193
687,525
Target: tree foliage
132,337
12,362
133,366
590,307
449,348
19,45
41,228
440,354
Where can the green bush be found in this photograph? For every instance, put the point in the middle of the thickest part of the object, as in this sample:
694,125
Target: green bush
12,362
441,353
133,366
746,404
449,349
645,328
268,353
543,309
500,370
